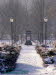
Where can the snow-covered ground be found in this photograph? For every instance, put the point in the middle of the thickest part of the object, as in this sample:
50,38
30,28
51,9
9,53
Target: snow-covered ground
30,63
29,56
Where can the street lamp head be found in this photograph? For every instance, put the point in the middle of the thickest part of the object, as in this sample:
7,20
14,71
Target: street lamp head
45,19
11,19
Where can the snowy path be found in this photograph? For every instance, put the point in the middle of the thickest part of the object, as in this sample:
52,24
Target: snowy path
30,63
29,56
29,60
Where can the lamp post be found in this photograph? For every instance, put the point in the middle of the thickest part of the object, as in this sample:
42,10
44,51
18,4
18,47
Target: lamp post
11,21
45,20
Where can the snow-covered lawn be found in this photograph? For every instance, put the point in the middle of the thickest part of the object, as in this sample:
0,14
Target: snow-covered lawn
30,63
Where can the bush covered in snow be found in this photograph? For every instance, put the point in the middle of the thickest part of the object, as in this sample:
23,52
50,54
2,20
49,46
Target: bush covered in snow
48,56
8,57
